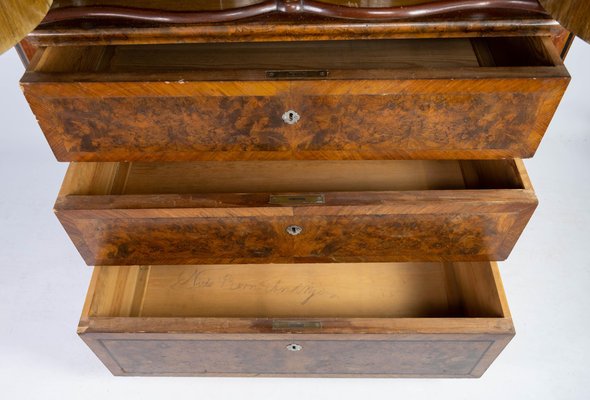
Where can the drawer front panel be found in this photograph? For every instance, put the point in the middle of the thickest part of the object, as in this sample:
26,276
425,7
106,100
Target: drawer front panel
478,232
180,240
427,237
153,121
274,357
434,119
151,127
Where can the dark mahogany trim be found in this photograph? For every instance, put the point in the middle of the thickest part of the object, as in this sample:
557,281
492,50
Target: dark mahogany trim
289,7
420,10
158,16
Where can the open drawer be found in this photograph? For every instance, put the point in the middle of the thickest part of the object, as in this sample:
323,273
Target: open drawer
461,98
295,211
405,320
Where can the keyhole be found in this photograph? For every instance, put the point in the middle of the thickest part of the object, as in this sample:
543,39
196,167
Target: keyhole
291,117
294,230
294,347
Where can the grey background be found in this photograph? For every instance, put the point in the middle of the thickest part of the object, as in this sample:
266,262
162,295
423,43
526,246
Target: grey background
43,282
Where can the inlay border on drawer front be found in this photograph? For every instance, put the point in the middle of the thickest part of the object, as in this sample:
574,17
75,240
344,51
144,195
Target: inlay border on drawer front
117,367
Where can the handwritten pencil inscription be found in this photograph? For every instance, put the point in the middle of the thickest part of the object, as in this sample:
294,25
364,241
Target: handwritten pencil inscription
204,279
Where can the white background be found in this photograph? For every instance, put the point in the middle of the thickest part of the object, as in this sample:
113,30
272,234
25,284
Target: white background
43,282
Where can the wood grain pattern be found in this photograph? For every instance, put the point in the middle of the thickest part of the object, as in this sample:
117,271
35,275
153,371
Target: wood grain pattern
179,5
286,27
434,102
411,211
273,30
574,15
360,341
414,356
18,18
383,290
339,10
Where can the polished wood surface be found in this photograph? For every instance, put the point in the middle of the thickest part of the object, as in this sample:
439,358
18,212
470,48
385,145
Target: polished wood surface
417,319
385,6
426,99
484,19
276,29
18,18
373,11
179,5
221,212
574,15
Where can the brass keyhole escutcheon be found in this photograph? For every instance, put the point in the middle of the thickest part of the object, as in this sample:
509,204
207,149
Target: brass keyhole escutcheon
291,117
294,230
294,347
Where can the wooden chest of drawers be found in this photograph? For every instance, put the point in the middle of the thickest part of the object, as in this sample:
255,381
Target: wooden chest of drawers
319,189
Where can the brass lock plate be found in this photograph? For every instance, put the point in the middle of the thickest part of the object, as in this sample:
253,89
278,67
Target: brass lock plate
297,74
296,199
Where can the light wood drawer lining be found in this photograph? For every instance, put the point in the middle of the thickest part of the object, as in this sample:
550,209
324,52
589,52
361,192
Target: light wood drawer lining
223,60
289,176
386,290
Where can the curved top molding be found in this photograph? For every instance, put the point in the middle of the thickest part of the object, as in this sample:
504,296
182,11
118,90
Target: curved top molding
319,8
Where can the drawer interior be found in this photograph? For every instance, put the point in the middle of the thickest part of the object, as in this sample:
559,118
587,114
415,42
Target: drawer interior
384,290
221,60
289,176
